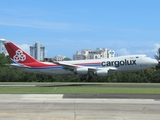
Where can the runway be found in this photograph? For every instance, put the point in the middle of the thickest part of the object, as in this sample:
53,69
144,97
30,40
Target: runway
60,107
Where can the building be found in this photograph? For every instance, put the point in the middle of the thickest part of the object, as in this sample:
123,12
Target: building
2,48
111,53
59,58
37,51
93,54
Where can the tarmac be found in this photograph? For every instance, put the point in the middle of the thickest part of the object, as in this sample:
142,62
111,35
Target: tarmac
79,107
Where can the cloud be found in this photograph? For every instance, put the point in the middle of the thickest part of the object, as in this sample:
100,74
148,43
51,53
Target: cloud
122,51
13,17
25,47
37,24
150,49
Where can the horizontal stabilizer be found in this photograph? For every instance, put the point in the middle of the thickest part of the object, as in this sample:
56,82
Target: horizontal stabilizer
18,66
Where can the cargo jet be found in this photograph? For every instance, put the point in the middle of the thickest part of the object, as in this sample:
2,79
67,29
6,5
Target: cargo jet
100,67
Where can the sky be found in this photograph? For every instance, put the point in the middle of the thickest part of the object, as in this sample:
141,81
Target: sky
67,26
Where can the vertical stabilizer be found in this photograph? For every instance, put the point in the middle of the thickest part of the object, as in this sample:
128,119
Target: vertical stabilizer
17,54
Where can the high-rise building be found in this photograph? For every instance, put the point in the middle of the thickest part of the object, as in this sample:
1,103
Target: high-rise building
93,54
37,51
2,48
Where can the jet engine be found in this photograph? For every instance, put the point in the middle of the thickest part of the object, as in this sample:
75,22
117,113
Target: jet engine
101,72
81,70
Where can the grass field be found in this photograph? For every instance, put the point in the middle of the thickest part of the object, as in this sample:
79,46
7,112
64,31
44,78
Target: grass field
94,88
52,83
76,90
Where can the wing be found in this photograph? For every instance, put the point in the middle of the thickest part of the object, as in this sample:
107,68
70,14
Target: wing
79,69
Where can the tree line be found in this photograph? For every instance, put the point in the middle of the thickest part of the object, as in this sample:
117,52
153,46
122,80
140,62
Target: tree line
151,75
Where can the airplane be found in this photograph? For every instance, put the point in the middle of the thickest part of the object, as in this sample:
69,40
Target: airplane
99,67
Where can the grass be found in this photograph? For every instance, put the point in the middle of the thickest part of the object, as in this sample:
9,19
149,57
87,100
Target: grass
35,83
77,90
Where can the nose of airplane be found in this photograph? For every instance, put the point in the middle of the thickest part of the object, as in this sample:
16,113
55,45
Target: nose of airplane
155,62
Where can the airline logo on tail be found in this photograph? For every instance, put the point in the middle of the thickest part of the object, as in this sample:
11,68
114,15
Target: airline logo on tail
19,56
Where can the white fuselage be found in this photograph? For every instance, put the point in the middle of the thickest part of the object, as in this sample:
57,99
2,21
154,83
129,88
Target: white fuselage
121,64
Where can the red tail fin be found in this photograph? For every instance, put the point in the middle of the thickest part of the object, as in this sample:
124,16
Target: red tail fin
17,54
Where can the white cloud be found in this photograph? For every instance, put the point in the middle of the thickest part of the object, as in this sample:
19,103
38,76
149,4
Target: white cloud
25,47
151,50
37,24
123,51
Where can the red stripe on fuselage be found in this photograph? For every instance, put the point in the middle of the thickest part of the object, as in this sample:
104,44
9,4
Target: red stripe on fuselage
39,64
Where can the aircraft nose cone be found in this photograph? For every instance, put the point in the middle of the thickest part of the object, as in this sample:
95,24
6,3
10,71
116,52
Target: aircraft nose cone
155,62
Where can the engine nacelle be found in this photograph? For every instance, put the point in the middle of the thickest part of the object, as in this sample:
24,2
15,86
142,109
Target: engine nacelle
81,70
101,72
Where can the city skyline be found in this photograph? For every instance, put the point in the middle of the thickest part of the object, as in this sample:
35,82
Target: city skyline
63,27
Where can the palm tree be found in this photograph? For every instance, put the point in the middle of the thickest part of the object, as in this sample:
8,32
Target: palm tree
158,54
158,58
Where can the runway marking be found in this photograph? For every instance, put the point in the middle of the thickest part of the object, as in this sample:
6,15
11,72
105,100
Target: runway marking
39,116
17,85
